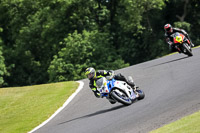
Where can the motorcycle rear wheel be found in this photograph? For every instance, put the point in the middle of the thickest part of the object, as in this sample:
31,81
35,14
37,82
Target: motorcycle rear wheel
141,94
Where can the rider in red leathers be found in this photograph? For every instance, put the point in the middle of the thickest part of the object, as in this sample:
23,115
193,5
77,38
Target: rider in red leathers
169,30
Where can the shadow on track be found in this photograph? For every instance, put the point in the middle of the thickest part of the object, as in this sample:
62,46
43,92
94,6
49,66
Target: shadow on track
93,114
169,61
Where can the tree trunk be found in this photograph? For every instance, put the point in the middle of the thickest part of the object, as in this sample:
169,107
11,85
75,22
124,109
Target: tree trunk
182,18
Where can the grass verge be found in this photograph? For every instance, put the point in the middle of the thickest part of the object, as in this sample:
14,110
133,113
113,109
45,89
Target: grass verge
188,124
23,108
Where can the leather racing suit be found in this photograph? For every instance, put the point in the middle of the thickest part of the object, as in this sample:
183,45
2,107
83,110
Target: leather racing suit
169,39
104,73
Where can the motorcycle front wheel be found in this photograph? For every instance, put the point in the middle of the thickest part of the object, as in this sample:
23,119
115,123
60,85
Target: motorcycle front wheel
121,97
187,50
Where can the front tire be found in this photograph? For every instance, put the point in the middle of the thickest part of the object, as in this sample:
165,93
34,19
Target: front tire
187,50
121,98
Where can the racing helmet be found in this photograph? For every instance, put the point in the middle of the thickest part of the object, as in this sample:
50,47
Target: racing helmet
168,28
90,73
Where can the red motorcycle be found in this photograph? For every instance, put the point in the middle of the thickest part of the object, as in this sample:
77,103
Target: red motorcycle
182,44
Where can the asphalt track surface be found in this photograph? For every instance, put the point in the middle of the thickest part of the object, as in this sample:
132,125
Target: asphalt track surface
172,88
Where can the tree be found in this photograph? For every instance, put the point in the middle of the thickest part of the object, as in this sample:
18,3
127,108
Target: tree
3,69
136,29
32,31
72,58
38,36
81,51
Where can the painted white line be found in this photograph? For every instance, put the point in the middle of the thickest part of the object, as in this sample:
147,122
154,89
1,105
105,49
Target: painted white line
61,108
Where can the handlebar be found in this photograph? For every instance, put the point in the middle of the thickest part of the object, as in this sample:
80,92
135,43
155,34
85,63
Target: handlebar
111,76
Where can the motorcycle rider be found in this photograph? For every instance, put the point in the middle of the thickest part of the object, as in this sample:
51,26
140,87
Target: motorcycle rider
94,75
169,30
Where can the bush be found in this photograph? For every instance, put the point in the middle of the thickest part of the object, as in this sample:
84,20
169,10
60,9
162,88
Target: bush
3,70
81,51
182,25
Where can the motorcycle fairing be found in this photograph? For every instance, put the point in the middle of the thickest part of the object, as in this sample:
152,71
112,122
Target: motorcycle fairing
121,85
105,86
178,38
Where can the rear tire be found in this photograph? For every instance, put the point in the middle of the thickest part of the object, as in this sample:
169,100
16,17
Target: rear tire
122,99
141,94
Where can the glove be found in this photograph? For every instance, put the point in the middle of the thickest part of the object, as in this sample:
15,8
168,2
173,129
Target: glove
97,94
111,74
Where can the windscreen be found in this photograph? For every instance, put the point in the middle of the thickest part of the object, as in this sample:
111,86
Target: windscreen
175,34
99,82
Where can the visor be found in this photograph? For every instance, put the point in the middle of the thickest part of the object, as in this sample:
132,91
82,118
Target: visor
168,29
90,75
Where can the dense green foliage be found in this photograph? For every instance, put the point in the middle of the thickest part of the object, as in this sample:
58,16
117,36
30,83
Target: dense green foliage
55,40
79,52
3,69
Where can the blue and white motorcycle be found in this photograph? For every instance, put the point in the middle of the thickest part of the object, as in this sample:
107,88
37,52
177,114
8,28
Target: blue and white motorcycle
118,91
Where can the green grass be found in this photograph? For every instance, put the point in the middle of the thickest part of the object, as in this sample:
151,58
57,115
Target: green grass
23,108
188,124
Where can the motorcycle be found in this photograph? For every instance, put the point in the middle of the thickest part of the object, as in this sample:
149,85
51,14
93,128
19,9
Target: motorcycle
118,91
182,44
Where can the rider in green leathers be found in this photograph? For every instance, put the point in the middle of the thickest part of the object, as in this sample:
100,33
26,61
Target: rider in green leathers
94,75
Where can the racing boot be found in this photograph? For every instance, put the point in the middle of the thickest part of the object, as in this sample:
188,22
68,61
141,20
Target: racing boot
134,87
132,84
135,90
192,44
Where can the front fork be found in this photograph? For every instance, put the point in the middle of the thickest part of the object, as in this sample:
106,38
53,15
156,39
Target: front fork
179,50
182,50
